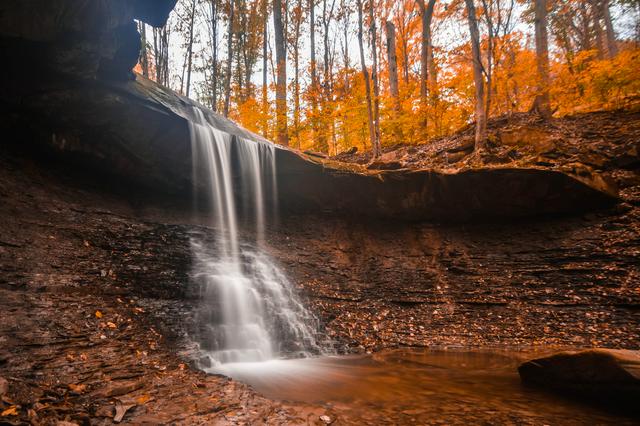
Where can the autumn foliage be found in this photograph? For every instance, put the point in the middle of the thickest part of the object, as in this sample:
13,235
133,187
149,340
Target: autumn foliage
592,65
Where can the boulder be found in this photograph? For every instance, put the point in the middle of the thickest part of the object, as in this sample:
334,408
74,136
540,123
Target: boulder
605,375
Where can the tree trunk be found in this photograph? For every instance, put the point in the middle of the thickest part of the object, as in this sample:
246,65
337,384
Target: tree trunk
323,145
314,74
265,38
480,117
374,79
486,7
612,46
227,82
144,57
393,76
281,80
427,64
432,88
190,46
214,55
541,103
296,68
596,16
365,76
426,49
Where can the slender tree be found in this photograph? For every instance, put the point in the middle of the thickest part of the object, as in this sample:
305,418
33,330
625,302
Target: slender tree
480,117
541,103
161,54
374,78
227,81
392,63
612,46
596,23
144,54
326,19
281,81
313,91
188,59
427,64
365,76
265,42
213,23
298,18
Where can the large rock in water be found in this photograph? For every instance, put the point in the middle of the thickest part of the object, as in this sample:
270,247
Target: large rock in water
606,375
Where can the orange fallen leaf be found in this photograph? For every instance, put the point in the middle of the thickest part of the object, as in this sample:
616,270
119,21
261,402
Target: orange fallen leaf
98,314
11,411
77,388
111,325
143,399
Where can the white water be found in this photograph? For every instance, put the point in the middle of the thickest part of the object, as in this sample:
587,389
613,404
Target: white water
249,311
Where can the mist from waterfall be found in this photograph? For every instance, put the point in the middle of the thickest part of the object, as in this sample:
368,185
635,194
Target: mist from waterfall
249,310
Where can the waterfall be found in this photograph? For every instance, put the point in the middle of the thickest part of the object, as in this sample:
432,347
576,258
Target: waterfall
249,310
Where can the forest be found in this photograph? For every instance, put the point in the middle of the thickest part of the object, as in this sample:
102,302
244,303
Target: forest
319,212
331,75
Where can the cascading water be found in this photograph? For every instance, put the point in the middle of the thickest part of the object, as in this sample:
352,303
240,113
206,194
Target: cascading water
249,310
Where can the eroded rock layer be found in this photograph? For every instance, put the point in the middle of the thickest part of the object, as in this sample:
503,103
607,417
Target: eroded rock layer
71,246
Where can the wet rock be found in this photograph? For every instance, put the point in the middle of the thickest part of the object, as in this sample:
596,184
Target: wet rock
611,376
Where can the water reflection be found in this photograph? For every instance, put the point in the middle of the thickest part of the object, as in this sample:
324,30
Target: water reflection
417,387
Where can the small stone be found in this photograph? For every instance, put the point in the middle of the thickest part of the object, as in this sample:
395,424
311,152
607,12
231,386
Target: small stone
326,419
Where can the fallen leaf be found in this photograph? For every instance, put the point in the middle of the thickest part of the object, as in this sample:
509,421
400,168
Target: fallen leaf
11,411
77,388
111,325
143,399
98,314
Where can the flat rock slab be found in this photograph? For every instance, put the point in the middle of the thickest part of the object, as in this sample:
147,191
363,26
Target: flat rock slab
462,195
605,375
